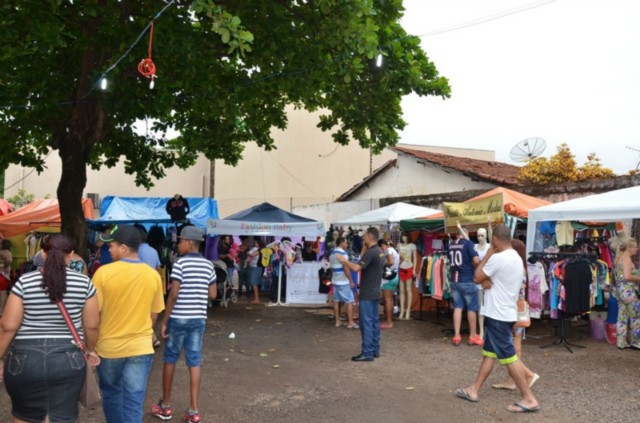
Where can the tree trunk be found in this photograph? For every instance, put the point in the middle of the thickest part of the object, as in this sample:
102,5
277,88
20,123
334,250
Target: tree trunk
70,188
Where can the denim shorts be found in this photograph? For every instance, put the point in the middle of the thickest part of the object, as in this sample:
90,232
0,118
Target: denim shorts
465,294
498,341
343,294
254,275
44,376
184,334
391,285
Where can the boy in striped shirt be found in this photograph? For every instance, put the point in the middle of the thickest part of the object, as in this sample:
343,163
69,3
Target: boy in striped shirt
193,283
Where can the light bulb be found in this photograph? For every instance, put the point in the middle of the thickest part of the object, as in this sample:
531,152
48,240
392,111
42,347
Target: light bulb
103,83
379,60
152,84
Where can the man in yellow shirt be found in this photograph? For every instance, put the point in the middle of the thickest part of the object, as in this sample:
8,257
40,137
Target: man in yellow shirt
130,298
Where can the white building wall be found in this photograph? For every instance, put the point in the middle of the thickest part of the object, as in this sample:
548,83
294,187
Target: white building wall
192,182
413,177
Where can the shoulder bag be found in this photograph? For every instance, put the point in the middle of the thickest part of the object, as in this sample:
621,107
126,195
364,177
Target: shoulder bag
90,393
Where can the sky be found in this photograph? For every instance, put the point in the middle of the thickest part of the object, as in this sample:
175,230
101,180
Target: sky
565,71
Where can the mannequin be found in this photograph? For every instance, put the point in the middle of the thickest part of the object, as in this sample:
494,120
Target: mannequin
408,260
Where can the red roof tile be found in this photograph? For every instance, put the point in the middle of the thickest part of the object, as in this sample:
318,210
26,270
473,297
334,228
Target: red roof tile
495,172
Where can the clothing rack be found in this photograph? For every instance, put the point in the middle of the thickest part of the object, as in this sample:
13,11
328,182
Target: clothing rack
564,321
562,340
541,255
437,321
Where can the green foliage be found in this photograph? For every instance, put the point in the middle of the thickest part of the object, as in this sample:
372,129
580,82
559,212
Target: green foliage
562,167
22,198
218,64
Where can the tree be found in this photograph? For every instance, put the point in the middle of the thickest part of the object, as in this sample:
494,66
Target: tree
562,167
22,198
226,71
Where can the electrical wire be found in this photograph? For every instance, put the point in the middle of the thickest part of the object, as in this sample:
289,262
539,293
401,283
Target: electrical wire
27,175
486,19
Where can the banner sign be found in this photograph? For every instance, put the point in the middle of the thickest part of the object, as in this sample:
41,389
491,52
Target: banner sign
474,214
233,227
302,284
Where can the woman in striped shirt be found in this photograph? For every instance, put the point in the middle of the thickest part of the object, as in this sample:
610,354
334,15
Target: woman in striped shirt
44,371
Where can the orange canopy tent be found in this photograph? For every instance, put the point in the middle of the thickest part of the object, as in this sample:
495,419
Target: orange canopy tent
37,214
514,203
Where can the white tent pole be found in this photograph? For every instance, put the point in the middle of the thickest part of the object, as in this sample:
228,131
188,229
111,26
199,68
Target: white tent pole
278,302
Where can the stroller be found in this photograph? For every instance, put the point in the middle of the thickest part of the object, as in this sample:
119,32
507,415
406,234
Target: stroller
224,286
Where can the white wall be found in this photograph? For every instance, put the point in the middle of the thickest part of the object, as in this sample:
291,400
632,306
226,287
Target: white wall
192,182
413,177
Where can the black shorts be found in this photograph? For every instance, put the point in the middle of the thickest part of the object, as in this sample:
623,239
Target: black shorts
44,376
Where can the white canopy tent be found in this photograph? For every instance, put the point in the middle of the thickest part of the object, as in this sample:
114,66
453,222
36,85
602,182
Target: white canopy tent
606,207
393,213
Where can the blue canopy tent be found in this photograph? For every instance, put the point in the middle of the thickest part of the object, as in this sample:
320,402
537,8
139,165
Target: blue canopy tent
152,210
266,220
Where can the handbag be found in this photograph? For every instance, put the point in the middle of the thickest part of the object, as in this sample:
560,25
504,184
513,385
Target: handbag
524,319
90,393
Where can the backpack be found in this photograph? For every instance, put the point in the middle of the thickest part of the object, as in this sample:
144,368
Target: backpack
324,276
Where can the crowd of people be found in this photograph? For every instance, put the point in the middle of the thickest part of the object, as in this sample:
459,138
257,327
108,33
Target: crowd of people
114,312
116,309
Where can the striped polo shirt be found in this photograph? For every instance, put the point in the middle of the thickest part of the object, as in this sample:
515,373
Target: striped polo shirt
338,277
195,274
42,319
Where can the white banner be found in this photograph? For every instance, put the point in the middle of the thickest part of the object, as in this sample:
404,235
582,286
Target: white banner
234,227
302,284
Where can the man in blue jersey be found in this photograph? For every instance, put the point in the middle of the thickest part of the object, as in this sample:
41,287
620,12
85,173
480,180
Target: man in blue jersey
342,284
463,259
193,283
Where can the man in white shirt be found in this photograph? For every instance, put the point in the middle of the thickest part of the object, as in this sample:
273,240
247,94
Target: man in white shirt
501,272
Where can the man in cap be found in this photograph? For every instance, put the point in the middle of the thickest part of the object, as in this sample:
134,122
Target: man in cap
130,298
193,282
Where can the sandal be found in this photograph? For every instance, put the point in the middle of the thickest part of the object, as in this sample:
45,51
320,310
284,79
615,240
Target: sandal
457,340
353,326
339,325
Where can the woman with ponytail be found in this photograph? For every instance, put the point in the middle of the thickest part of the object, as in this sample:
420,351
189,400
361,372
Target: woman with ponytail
33,332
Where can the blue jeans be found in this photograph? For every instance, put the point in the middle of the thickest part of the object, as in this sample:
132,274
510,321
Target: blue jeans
184,334
370,327
123,382
44,376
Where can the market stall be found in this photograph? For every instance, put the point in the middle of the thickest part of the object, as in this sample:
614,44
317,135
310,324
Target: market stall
268,220
500,205
560,235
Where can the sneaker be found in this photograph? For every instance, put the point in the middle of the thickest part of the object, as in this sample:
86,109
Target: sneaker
191,416
163,412
476,340
456,340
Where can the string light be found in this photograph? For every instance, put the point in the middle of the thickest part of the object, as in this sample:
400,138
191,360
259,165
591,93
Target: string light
379,60
152,84
103,83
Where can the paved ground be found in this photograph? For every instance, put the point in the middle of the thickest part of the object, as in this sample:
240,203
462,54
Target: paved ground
290,365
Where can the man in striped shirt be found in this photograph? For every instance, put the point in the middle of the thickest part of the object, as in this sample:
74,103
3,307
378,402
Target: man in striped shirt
193,282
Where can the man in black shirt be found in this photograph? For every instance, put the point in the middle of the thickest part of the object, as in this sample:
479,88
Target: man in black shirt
371,266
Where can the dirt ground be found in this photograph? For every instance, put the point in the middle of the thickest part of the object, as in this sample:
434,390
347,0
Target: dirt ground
290,364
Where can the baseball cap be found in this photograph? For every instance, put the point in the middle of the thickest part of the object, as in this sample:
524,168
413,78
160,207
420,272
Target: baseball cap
192,233
124,234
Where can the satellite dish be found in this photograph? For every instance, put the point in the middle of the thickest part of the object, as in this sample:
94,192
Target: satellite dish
527,149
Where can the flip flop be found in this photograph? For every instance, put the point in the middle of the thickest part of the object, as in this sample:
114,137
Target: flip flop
340,325
461,393
534,380
519,408
355,326
504,386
